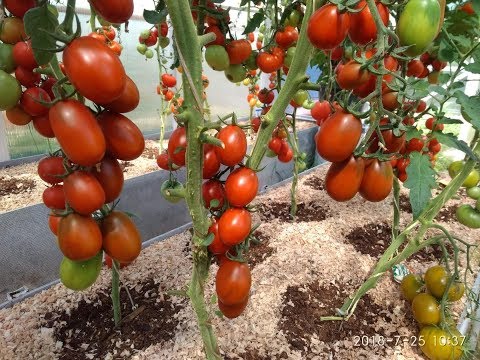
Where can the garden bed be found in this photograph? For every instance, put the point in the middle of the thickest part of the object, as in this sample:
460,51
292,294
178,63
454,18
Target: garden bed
302,271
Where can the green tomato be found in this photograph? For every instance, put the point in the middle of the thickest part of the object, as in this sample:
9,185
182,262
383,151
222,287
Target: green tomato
289,57
6,58
410,286
262,29
477,204
79,275
294,18
474,192
308,104
149,54
301,165
235,73
472,179
418,25
142,48
145,34
439,344
454,168
173,184
468,216
164,42
251,62
300,97
10,91
260,37
217,58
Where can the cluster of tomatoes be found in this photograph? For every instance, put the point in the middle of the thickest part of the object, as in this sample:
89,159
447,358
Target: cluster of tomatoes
149,38
467,214
438,337
107,34
426,66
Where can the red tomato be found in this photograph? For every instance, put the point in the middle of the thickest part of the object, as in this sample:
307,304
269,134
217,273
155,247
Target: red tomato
421,107
98,37
114,11
43,127
351,76
235,142
53,222
377,181
124,140
169,80
415,68
23,55
241,187
327,27
95,70
78,132
17,116
232,311
238,51
266,96
268,62
54,198
234,226
109,262
164,29
121,239
415,145
434,147
287,37
110,176
30,104
213,190
18,7
275,144
128,99
47,85
217,247
338,136
438,65
83,192
321,111
362,26
177,145
390,101
343,179
163,161
233,282
79,237
402,164
286,153
27,77
211,164
51,169
431,124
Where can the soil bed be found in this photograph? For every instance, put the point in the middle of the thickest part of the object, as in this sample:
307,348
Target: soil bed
300,271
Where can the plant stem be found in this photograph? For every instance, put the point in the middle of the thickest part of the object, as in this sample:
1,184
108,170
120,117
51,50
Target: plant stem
396,208
296,152
93,18
69,16
296,76
117,312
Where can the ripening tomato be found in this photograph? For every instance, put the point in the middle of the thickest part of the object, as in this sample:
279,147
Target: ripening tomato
377,181
83,192
110,176
53,222
23,55
54,198
114,11
78,132
30,101
241,187
79,237
95,70
121,239
13,30
217,57
51,169
128,99
217,247
338,136
321,111
238,51
351,76
123,138
232,311
211,163
327,27
17,116
439,344
235,142
233,282
234,226
213,191
18,7
343,179
177,145
362,28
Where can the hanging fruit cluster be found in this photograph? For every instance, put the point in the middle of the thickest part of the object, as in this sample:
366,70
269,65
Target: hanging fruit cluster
149,38
107,35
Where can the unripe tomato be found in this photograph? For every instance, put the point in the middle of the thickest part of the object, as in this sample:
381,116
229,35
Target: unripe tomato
426,309
235,73
80,275
241,187
468,216
439,344
13,30
410,286
217,57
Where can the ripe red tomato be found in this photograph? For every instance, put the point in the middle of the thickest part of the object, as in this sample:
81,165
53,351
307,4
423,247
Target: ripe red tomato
362,26
51,169
54,198
415,68
213,190
422,106
115,47
169,80
18,7
338,136
83,192
232,311
327,27
343,179
434,147
241,187
211,164
438,65
110,176
286,153
235,142
47,85
27,77
256,122
234,226
114,11
17,116
266,96
79,237
95,70
98,37
177,145
431,124
128,99
121,239
217,247
164,29
233,282
23,55
390,101
402,164
287,37
351,76
275,144
321,111
415,145
30,104
124,140
163,161
238,51
43,127
53,222
109,262
78,132
268,62
377,181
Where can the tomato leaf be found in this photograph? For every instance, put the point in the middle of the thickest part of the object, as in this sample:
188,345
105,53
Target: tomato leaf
420,181
208,240
473,68
39,22
154,17
445,120
412,132
471,107
254,22
451,140
476,6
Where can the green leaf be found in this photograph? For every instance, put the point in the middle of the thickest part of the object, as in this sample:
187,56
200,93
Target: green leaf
154,17
474,68
446,52
471,108
476,6
208,240
412,132
451,140
439,90
254,22
420,181
445,120
213,299
38,21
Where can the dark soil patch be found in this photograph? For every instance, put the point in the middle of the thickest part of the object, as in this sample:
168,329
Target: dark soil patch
304,305
306,212
150,153
405,205
87,332
11,186
258,253
315,183
253,354
447,214
371,239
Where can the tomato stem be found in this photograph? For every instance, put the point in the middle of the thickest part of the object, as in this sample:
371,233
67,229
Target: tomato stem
67,24
294,142
117,312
